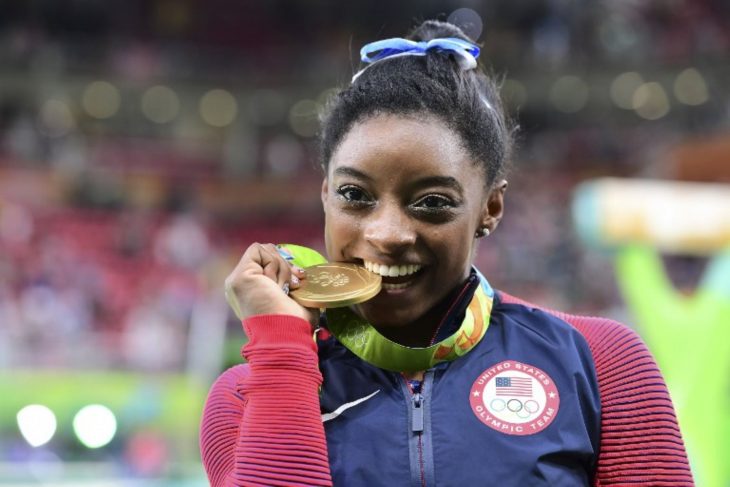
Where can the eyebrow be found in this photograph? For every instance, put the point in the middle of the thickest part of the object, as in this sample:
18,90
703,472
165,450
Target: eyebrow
445,181
352,172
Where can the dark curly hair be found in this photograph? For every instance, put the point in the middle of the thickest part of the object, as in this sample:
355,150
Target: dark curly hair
432,85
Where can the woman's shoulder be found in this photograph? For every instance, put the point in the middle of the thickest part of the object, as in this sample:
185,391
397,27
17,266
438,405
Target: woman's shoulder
640,437
603,335
623,364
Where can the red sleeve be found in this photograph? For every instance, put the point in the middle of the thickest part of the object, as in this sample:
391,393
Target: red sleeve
640,439
641,444
262,423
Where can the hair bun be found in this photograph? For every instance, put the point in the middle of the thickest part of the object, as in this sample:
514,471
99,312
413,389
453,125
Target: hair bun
435,29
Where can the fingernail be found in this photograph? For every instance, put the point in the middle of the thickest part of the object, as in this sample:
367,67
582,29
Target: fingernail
298,270
294,280
285,288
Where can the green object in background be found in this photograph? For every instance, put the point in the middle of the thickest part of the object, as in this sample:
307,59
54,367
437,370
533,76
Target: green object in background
690,338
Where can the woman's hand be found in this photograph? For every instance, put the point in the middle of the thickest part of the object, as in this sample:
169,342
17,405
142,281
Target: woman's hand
259,285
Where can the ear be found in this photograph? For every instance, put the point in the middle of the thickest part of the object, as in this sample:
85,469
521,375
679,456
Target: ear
494,206
325,193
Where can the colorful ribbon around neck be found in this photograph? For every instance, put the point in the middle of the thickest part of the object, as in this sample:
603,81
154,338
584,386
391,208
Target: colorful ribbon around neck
362,339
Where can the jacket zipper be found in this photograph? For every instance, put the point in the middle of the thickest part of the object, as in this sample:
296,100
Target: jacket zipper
417,405
417,427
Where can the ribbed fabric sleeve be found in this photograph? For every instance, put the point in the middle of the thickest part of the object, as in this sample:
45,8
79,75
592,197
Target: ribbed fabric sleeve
641,444
262,424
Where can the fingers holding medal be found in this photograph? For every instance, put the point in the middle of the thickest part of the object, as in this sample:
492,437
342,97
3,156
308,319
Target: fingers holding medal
260,283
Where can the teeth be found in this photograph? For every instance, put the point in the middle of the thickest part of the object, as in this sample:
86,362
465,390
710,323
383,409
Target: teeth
393,270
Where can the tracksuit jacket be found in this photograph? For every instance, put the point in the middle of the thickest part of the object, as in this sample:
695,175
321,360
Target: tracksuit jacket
544,399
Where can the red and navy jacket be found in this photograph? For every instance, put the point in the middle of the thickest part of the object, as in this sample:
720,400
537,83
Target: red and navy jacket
545,398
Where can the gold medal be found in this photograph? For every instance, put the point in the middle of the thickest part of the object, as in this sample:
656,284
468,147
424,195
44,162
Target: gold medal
335,285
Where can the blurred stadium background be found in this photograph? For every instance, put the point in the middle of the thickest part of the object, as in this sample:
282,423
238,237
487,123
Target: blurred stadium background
144,144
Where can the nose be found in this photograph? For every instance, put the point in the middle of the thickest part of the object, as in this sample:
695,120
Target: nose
389,229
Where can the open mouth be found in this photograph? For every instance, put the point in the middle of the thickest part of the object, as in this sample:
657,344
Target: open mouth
394,276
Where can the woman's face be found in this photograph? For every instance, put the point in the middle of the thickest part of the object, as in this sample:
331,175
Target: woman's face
403,198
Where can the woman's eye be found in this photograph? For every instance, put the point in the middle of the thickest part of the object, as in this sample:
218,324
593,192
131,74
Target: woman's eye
351,194
434,202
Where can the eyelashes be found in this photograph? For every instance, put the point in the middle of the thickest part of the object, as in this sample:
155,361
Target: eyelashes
433,206
352,194
435,202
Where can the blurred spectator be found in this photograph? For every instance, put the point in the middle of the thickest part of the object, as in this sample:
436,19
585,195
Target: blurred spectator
182,242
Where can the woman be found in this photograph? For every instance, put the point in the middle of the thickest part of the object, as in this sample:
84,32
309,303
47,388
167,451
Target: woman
439,379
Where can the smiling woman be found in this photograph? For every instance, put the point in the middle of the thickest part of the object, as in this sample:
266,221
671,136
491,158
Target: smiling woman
439,379
420,213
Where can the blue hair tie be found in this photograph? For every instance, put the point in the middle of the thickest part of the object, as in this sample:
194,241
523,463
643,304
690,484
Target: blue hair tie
465,52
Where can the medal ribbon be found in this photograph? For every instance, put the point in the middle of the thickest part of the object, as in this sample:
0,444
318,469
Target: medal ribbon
362,339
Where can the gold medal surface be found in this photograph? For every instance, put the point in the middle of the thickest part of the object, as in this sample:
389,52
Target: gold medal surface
335,285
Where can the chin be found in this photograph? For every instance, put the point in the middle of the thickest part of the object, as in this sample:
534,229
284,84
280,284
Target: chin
387,316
